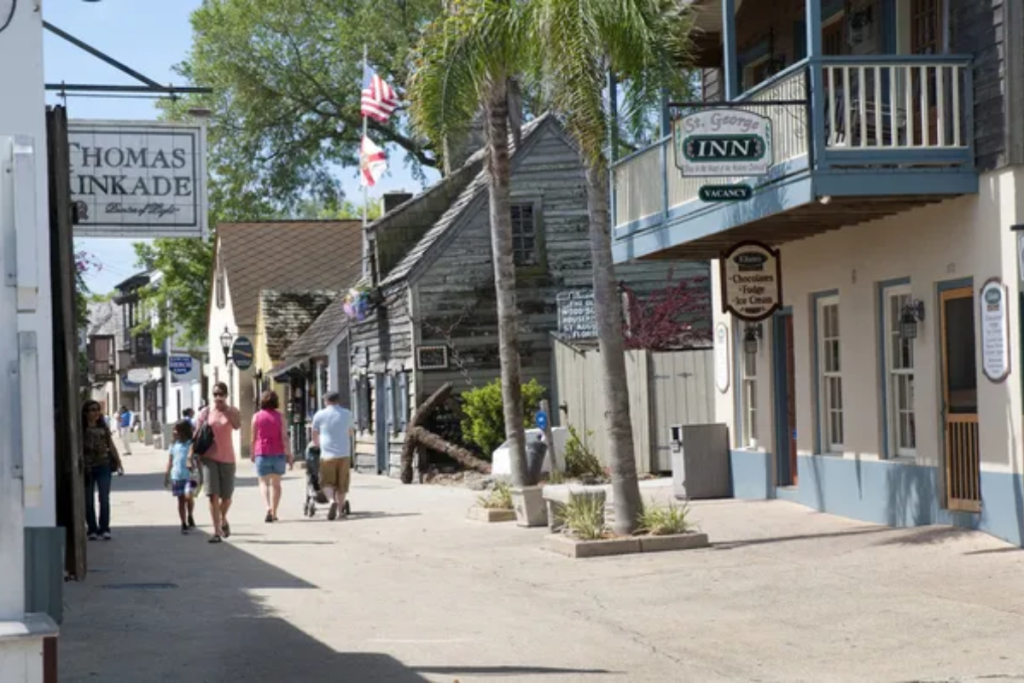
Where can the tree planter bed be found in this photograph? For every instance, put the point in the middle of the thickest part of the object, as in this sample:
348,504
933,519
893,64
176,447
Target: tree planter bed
577,548
491,515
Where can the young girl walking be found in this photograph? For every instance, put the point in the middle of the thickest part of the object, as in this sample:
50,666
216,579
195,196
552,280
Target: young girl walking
182,474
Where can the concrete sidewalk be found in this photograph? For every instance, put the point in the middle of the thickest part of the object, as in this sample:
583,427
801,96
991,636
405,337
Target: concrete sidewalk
408,590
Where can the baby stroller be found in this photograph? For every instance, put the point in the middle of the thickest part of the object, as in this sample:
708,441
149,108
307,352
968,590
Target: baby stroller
314,493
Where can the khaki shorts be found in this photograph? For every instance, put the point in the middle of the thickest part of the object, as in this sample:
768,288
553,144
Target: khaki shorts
220,478
334,473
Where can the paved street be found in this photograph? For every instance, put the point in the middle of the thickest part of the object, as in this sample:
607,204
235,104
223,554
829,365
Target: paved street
408,590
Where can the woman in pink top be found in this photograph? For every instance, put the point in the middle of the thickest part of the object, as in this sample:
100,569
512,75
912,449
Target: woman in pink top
270,451
219,460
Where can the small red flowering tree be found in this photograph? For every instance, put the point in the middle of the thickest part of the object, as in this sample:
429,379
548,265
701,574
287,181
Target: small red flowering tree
678,316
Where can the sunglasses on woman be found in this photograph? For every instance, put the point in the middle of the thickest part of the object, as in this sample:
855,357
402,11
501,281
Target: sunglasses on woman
218,394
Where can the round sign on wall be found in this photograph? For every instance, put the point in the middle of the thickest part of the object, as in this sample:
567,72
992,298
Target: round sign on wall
242,353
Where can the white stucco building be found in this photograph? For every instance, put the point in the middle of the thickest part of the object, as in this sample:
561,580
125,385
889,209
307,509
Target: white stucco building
27,472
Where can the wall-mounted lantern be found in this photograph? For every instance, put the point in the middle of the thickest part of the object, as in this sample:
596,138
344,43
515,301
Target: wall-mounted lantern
913,313
751,339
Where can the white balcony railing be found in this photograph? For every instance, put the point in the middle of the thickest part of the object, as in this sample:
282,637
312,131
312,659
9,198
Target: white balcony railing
886,112
909,103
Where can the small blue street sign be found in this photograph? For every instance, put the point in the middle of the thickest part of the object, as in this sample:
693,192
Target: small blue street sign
541,419
242,353
180,365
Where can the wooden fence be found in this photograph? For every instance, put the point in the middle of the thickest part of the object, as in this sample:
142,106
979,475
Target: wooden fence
665,389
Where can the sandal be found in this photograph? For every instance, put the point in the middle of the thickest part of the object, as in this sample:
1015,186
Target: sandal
214,539
269,518
226,530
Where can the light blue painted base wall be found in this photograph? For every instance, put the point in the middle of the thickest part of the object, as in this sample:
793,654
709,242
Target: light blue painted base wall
903,495
884,492
751,475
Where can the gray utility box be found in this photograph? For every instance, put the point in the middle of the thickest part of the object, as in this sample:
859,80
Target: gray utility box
700,461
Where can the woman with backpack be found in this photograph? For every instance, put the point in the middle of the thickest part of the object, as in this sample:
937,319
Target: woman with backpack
215,446
101,460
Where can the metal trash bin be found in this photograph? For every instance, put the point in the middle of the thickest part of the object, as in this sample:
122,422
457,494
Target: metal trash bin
700,461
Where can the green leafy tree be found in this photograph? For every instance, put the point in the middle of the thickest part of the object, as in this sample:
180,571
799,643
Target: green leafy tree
180,296
286,78
468,61
644,43
483,422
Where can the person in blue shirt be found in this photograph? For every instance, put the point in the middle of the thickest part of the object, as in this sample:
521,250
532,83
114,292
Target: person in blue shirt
124,429
181,475
332,434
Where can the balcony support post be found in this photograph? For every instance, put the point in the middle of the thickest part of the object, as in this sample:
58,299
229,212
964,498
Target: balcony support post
666,146
730,56
816,92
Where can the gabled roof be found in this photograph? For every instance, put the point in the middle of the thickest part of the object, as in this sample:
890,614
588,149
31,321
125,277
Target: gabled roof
331,323
286,315
286,256
475,189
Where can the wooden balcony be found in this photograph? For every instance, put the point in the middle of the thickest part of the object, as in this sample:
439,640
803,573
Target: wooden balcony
883,135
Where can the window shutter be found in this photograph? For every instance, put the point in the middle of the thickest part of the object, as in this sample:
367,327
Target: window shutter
354,390
364,402
389,400
403,400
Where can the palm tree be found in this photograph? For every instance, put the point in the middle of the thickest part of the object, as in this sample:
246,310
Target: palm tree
467,61
644,43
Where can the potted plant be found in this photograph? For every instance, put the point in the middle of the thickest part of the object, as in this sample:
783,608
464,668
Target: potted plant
496,506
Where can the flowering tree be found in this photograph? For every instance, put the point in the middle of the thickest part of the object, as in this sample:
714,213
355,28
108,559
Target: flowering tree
672,318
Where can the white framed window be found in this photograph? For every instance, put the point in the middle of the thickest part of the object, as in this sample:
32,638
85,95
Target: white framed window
748,394
899,376
830,377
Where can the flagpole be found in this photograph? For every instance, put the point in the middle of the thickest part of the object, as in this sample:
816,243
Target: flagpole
366,187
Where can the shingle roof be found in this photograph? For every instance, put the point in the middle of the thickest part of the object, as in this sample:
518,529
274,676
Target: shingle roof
286,315
473,190
315,339
287,256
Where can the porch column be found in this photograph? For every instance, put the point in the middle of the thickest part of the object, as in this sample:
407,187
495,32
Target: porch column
815,81
732,76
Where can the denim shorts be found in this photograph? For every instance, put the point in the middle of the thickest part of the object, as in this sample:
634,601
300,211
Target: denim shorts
270,464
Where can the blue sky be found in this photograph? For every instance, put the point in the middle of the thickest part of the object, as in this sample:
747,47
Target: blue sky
150,37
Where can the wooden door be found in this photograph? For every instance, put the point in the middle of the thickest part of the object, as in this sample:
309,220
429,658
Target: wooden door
785,401
791,399
960,400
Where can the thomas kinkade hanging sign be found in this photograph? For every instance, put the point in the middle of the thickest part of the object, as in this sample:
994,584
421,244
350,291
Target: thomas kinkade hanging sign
751,281
138,179
723,143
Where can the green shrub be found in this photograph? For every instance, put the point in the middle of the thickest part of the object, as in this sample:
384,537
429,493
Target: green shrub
665,520
483,422
499,498
583,517
580,461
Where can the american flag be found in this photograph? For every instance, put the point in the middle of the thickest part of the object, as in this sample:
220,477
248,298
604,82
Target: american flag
379,99
372,163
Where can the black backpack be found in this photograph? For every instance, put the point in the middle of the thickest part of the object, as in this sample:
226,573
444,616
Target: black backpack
204,438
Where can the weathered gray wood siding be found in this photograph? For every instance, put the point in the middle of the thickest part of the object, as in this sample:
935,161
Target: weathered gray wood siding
455,300
976,28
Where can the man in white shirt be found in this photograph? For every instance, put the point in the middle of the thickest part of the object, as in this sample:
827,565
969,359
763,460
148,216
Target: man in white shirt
332,434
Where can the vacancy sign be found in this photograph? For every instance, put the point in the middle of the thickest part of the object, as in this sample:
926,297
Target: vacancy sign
751,281
138,179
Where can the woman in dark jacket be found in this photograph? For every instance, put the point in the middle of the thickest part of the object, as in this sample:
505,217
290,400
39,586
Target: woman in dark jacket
101,461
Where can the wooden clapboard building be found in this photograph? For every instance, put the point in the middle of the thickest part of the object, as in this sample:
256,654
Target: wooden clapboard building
433,315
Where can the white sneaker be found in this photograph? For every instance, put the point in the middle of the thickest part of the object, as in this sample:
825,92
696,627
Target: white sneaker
93,537
106,536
